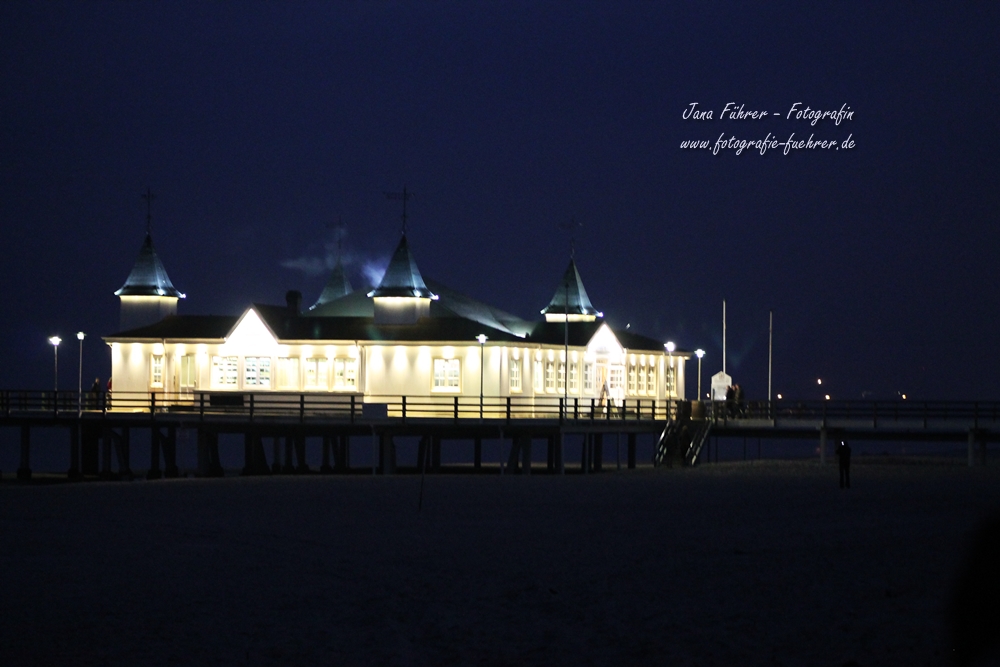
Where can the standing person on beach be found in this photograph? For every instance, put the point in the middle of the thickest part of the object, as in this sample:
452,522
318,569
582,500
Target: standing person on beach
844,459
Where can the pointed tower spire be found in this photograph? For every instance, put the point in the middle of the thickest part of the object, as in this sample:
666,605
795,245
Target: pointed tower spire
336,287
147,295
570,301
402,278
402,297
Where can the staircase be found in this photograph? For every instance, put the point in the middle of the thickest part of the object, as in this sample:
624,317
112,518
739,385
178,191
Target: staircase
667,444
698,441
681,442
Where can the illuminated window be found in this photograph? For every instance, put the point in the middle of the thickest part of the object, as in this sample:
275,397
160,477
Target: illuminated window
550,376
574,378
651,380
588,377
345,373
225,371
539,377
188,372
515,375
317,369
257,372
615,377
156,371
631,379
288,373
447,373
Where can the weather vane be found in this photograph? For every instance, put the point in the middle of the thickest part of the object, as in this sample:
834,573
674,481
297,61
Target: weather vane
149,197
340,231
571,226
404,196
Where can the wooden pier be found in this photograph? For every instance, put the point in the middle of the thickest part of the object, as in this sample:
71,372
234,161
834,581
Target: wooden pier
100,426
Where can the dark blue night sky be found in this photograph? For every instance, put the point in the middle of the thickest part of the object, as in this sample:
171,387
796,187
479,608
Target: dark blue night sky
260,126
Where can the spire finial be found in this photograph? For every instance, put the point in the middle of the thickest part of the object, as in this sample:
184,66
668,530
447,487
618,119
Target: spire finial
149,197
404,196
571,227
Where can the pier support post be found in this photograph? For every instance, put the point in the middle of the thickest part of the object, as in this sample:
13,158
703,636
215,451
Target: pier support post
325,467
276,455
477,453
822,446
561,453
123,450
515,454
288,468
169,446
154,454
598,462
203,466
631,451
435,453
106,453
526,455
89,449
387,454
74,452
423,453
343,461
247,453
300,453
585,453
24,469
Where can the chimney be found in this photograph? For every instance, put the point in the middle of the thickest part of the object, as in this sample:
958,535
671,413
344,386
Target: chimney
294,300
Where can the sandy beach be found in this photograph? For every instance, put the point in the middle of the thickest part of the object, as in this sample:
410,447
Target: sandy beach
762,563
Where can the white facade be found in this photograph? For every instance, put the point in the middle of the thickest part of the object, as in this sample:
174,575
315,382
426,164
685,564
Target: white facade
251,359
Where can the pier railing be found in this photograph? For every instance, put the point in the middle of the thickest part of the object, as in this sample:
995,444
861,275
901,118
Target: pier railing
337,406
359,408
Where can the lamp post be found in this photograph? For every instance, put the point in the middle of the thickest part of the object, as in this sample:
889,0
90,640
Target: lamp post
699,353
79,380
670,369
55,340
482,350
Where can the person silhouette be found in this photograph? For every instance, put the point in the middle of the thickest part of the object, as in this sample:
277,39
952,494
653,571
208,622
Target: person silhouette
844,460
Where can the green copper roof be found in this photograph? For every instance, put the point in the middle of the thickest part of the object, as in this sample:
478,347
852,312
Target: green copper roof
402,278
571,292
148,277
336,287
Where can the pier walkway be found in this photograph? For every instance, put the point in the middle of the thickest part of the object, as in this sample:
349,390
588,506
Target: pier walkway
99,426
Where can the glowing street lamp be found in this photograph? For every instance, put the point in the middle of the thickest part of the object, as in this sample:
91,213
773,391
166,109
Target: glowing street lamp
699,353
670,371
482,349
79,380
54,341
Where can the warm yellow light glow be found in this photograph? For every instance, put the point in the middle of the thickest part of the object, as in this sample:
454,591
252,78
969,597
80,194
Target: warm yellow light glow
307,351
158,349
828,397
779,396
352,351
448,352
819,381
250,335
573,317
424,359
515,354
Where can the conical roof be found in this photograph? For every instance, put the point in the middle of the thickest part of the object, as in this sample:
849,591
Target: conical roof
148,277
402,278
336,287
572,293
